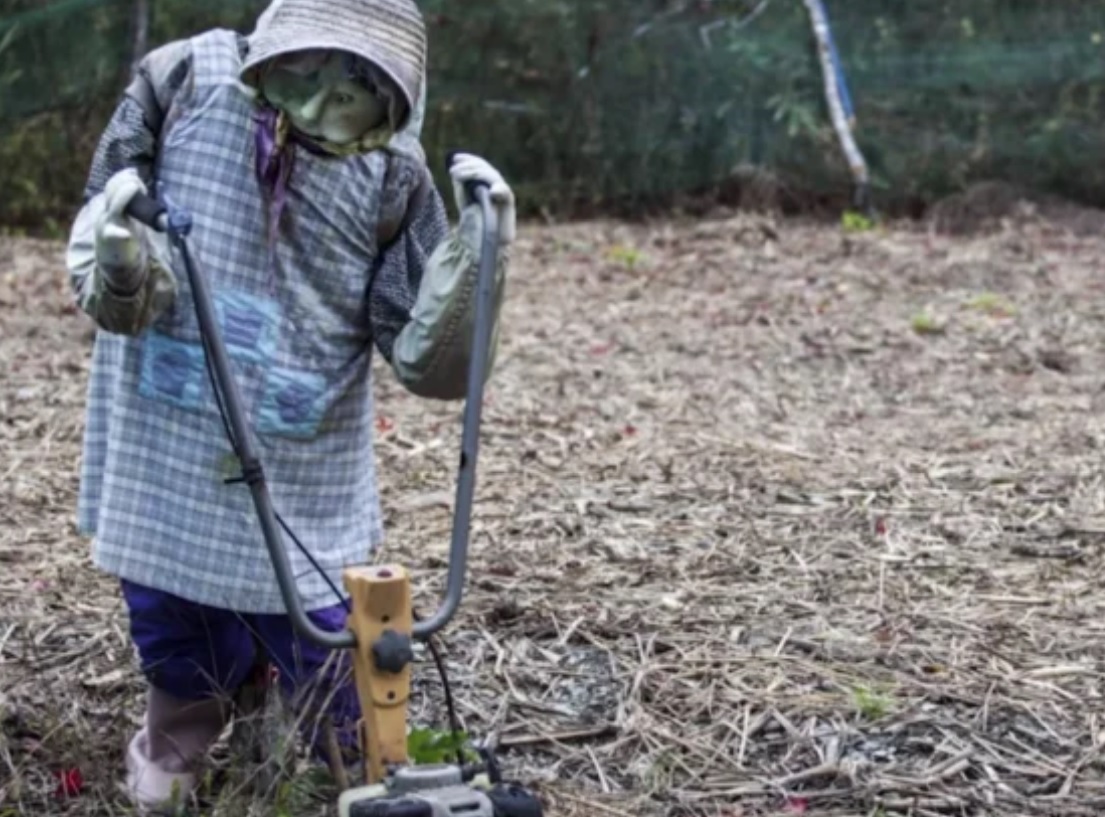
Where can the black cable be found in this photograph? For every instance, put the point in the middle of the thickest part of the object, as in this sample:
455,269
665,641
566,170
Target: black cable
454,721
253,471
314,563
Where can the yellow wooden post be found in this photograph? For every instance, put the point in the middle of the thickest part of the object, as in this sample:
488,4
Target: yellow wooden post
381,609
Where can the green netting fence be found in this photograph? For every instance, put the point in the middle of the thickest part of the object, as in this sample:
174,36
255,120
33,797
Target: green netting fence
626,104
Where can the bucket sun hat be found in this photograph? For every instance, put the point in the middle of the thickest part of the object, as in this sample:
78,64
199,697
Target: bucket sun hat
390,35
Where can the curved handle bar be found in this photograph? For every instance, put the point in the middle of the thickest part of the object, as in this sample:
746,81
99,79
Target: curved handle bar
177,225
473,409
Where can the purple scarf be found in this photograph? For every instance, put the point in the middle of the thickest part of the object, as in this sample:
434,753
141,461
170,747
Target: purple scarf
274,162
273,166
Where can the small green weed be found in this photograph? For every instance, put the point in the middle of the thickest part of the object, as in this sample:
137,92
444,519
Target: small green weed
661,772
431,746
853,222
629,257
993,305
871,704
924,323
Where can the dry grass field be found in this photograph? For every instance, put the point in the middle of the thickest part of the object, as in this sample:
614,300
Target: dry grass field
772,519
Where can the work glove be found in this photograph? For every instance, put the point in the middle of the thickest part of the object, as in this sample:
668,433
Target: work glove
432,354
464,168
120,253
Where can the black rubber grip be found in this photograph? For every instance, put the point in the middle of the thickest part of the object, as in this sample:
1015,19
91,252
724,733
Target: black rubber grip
470,187
145,209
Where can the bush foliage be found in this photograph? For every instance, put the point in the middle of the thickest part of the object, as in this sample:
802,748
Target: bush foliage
625,104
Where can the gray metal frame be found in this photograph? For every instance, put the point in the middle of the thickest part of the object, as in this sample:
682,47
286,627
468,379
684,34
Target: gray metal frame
177,224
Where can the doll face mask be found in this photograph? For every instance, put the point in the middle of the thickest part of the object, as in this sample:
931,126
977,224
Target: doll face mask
324,97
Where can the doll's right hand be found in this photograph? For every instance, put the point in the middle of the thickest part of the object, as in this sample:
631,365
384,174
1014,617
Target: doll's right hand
119,252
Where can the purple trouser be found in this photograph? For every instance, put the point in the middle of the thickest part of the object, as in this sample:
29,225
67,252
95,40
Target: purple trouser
195,652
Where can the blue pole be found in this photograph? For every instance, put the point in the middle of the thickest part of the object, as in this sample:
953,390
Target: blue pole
838,68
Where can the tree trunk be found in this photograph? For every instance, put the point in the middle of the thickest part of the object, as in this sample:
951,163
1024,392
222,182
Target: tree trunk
834,96
140,25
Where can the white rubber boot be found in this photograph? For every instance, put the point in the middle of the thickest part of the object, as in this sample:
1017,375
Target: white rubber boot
163,758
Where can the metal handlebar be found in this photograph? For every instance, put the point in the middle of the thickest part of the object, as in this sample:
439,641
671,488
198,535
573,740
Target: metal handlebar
473,411
177,224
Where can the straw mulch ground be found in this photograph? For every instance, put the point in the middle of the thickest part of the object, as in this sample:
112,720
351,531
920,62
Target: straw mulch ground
772,520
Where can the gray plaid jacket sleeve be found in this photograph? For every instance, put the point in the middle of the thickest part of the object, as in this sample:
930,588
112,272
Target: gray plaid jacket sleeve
126,142
399,271
129,140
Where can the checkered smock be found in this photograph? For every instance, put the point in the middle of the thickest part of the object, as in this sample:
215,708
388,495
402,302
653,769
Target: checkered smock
300,326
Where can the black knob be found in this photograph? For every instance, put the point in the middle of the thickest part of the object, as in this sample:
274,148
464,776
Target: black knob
392,652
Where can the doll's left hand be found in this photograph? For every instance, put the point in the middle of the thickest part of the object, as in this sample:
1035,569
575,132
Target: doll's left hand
468,168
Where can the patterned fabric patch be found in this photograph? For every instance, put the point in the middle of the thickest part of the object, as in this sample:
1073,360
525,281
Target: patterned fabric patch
249,325
292,404
173,372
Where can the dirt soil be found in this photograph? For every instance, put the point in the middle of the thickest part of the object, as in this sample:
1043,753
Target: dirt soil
772,519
